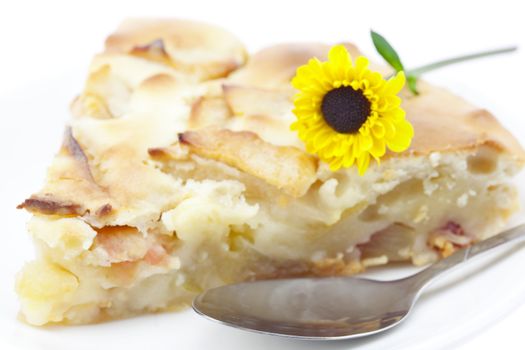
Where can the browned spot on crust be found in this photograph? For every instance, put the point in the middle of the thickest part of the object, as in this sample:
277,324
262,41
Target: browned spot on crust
155,45
199,49
157,153
74,149
166,154
482,116
287,168
208,111
90,104
229,67
250,101
158,83
104,210
99,90
154,51
50,206
75,169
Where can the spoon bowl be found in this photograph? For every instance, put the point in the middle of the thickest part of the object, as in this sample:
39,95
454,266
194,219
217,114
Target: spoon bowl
308,307
330,308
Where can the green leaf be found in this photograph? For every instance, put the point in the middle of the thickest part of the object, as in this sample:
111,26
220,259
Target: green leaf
387,51
411,83
390,55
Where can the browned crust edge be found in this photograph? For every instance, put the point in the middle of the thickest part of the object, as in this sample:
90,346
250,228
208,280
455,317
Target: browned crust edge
48,206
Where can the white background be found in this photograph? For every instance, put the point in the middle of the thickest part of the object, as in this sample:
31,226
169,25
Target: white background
43,41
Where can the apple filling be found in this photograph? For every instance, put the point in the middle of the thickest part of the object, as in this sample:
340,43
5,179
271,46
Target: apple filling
230,226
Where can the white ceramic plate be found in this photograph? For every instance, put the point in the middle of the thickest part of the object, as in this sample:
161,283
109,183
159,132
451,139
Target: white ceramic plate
453,310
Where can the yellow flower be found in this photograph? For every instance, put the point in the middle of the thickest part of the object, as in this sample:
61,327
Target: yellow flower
347,113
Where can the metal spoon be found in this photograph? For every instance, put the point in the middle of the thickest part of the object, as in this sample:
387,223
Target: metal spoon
329,308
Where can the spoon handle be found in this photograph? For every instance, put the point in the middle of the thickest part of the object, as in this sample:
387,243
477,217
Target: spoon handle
515,234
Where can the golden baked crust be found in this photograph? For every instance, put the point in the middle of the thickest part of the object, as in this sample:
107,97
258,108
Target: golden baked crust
273,67
70,177
255,98
286,168
447,123
192,47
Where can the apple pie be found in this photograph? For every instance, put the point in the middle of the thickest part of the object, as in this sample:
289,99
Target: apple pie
178,172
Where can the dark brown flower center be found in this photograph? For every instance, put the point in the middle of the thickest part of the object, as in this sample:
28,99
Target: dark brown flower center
345,109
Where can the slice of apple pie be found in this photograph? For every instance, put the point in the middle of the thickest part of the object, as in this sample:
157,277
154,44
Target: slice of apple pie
179,172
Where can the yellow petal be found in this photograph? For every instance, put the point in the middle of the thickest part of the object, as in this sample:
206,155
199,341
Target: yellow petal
295,125
322,139
365,141
339,150
361,64
395,114
348,160
339,64
336,163
378,130
394,84
310,77
364,129
363,162
356,150
339,56
402,138
376,81
348,141
303,100
328,151
378,149
390,130
387,103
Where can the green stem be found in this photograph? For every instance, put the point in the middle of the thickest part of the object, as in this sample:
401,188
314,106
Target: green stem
432,66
